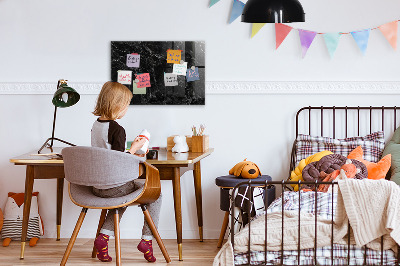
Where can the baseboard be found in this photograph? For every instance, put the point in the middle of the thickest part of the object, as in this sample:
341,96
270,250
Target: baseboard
232,87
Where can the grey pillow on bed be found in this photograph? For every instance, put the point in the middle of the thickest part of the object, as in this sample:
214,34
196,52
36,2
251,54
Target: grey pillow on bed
393,148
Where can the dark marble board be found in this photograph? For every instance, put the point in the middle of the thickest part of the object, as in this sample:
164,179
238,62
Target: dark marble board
153,60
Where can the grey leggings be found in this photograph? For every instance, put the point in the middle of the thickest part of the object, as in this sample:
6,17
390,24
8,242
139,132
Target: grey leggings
154,208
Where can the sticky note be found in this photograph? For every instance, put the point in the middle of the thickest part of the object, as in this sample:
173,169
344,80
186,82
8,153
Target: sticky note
133,60
174,56
192,75
170,79
144,80
124,77
136,90
180,69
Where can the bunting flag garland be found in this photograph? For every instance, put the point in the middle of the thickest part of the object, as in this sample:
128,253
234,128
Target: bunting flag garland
306,39
361,37
281,31
389,30
256,27
213,2
237,9
332,41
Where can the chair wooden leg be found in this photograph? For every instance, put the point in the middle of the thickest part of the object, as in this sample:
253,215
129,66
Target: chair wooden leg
154,230
101,222
223,229
73,237
117,239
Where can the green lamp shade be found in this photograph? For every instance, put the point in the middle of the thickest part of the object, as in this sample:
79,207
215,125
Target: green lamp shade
65,96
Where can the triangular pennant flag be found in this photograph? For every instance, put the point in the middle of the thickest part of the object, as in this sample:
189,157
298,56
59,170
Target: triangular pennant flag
332,41
213,2
256,28
306,39
361,37
281,31
237,9
390,32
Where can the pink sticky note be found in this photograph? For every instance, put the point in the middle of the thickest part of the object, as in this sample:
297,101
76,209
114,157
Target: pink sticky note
144,80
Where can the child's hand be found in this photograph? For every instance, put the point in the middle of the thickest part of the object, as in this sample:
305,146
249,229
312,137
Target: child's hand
137,144
143,155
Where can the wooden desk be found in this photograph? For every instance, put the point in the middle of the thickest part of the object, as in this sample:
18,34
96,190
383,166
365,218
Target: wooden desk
171,167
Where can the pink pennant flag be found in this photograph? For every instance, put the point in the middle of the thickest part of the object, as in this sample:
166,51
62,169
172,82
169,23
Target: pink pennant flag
281,31
306,39
389,30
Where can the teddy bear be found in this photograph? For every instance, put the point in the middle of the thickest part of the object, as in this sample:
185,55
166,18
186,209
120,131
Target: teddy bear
13,215
180,144
245,169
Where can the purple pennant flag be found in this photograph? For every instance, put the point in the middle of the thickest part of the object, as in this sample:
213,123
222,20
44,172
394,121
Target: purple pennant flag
237,9
306,39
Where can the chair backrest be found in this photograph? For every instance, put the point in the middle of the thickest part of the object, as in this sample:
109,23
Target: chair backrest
92,166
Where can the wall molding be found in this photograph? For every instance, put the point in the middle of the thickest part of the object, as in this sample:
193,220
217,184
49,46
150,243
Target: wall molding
232,87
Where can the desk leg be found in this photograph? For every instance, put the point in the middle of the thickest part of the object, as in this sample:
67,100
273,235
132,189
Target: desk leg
199,204
176,182
60,190
27,206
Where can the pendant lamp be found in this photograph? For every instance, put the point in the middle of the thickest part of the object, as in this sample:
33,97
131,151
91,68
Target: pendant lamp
272,11
64,96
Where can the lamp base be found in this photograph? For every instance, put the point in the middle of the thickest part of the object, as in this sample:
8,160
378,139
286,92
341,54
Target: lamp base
50,146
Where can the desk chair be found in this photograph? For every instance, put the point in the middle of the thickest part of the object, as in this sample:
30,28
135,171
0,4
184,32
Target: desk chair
85,167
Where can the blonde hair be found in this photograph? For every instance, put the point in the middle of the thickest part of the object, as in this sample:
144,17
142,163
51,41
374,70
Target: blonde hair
112,99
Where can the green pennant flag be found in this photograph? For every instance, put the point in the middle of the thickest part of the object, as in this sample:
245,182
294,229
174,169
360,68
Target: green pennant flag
213,2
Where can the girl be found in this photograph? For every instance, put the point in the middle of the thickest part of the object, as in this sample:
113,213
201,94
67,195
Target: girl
112,104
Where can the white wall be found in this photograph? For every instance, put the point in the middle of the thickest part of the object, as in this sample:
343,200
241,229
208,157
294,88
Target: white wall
42,41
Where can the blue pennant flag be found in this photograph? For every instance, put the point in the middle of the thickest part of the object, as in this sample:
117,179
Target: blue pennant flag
213,2
237,9
361,37
332,41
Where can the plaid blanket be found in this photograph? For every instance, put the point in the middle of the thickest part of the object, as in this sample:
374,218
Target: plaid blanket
323,205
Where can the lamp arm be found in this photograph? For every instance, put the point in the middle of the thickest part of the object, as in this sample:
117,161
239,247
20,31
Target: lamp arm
54,126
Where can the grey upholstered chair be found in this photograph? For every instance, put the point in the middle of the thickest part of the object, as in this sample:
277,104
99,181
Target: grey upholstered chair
85,167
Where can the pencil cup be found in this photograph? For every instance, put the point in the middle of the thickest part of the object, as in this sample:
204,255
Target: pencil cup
200,143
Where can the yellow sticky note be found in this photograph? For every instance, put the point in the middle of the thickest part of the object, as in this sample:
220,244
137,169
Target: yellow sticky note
174,56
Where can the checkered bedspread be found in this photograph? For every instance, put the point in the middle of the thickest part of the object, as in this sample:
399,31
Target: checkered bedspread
307,202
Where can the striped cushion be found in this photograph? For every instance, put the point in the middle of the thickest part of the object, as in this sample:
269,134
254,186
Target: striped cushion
372,145
13,228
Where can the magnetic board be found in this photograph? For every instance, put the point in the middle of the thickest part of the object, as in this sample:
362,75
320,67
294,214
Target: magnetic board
160,72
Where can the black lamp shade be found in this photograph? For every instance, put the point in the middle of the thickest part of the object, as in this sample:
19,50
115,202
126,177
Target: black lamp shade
65,96
273,11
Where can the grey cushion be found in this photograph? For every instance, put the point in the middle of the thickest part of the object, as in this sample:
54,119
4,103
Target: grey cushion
83,195
393,148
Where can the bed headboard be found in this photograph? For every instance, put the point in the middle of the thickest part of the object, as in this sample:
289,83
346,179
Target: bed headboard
344,121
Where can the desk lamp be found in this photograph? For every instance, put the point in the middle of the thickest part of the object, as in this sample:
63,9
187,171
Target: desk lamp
273,11
64,96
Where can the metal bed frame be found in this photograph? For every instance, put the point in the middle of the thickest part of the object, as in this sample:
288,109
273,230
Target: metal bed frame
283,184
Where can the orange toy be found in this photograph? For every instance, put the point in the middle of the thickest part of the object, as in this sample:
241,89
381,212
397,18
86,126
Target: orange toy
245,169
375,170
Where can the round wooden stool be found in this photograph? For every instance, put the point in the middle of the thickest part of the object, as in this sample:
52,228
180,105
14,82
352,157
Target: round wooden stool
228,182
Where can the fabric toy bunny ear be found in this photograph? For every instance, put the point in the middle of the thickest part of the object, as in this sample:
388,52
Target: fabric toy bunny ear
245,169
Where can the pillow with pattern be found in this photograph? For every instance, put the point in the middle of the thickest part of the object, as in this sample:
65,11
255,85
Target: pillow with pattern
372,145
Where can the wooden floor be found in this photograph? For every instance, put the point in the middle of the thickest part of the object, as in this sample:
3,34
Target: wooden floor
50,252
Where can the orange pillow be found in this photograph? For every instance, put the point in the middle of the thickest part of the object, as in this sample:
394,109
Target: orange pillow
375,170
